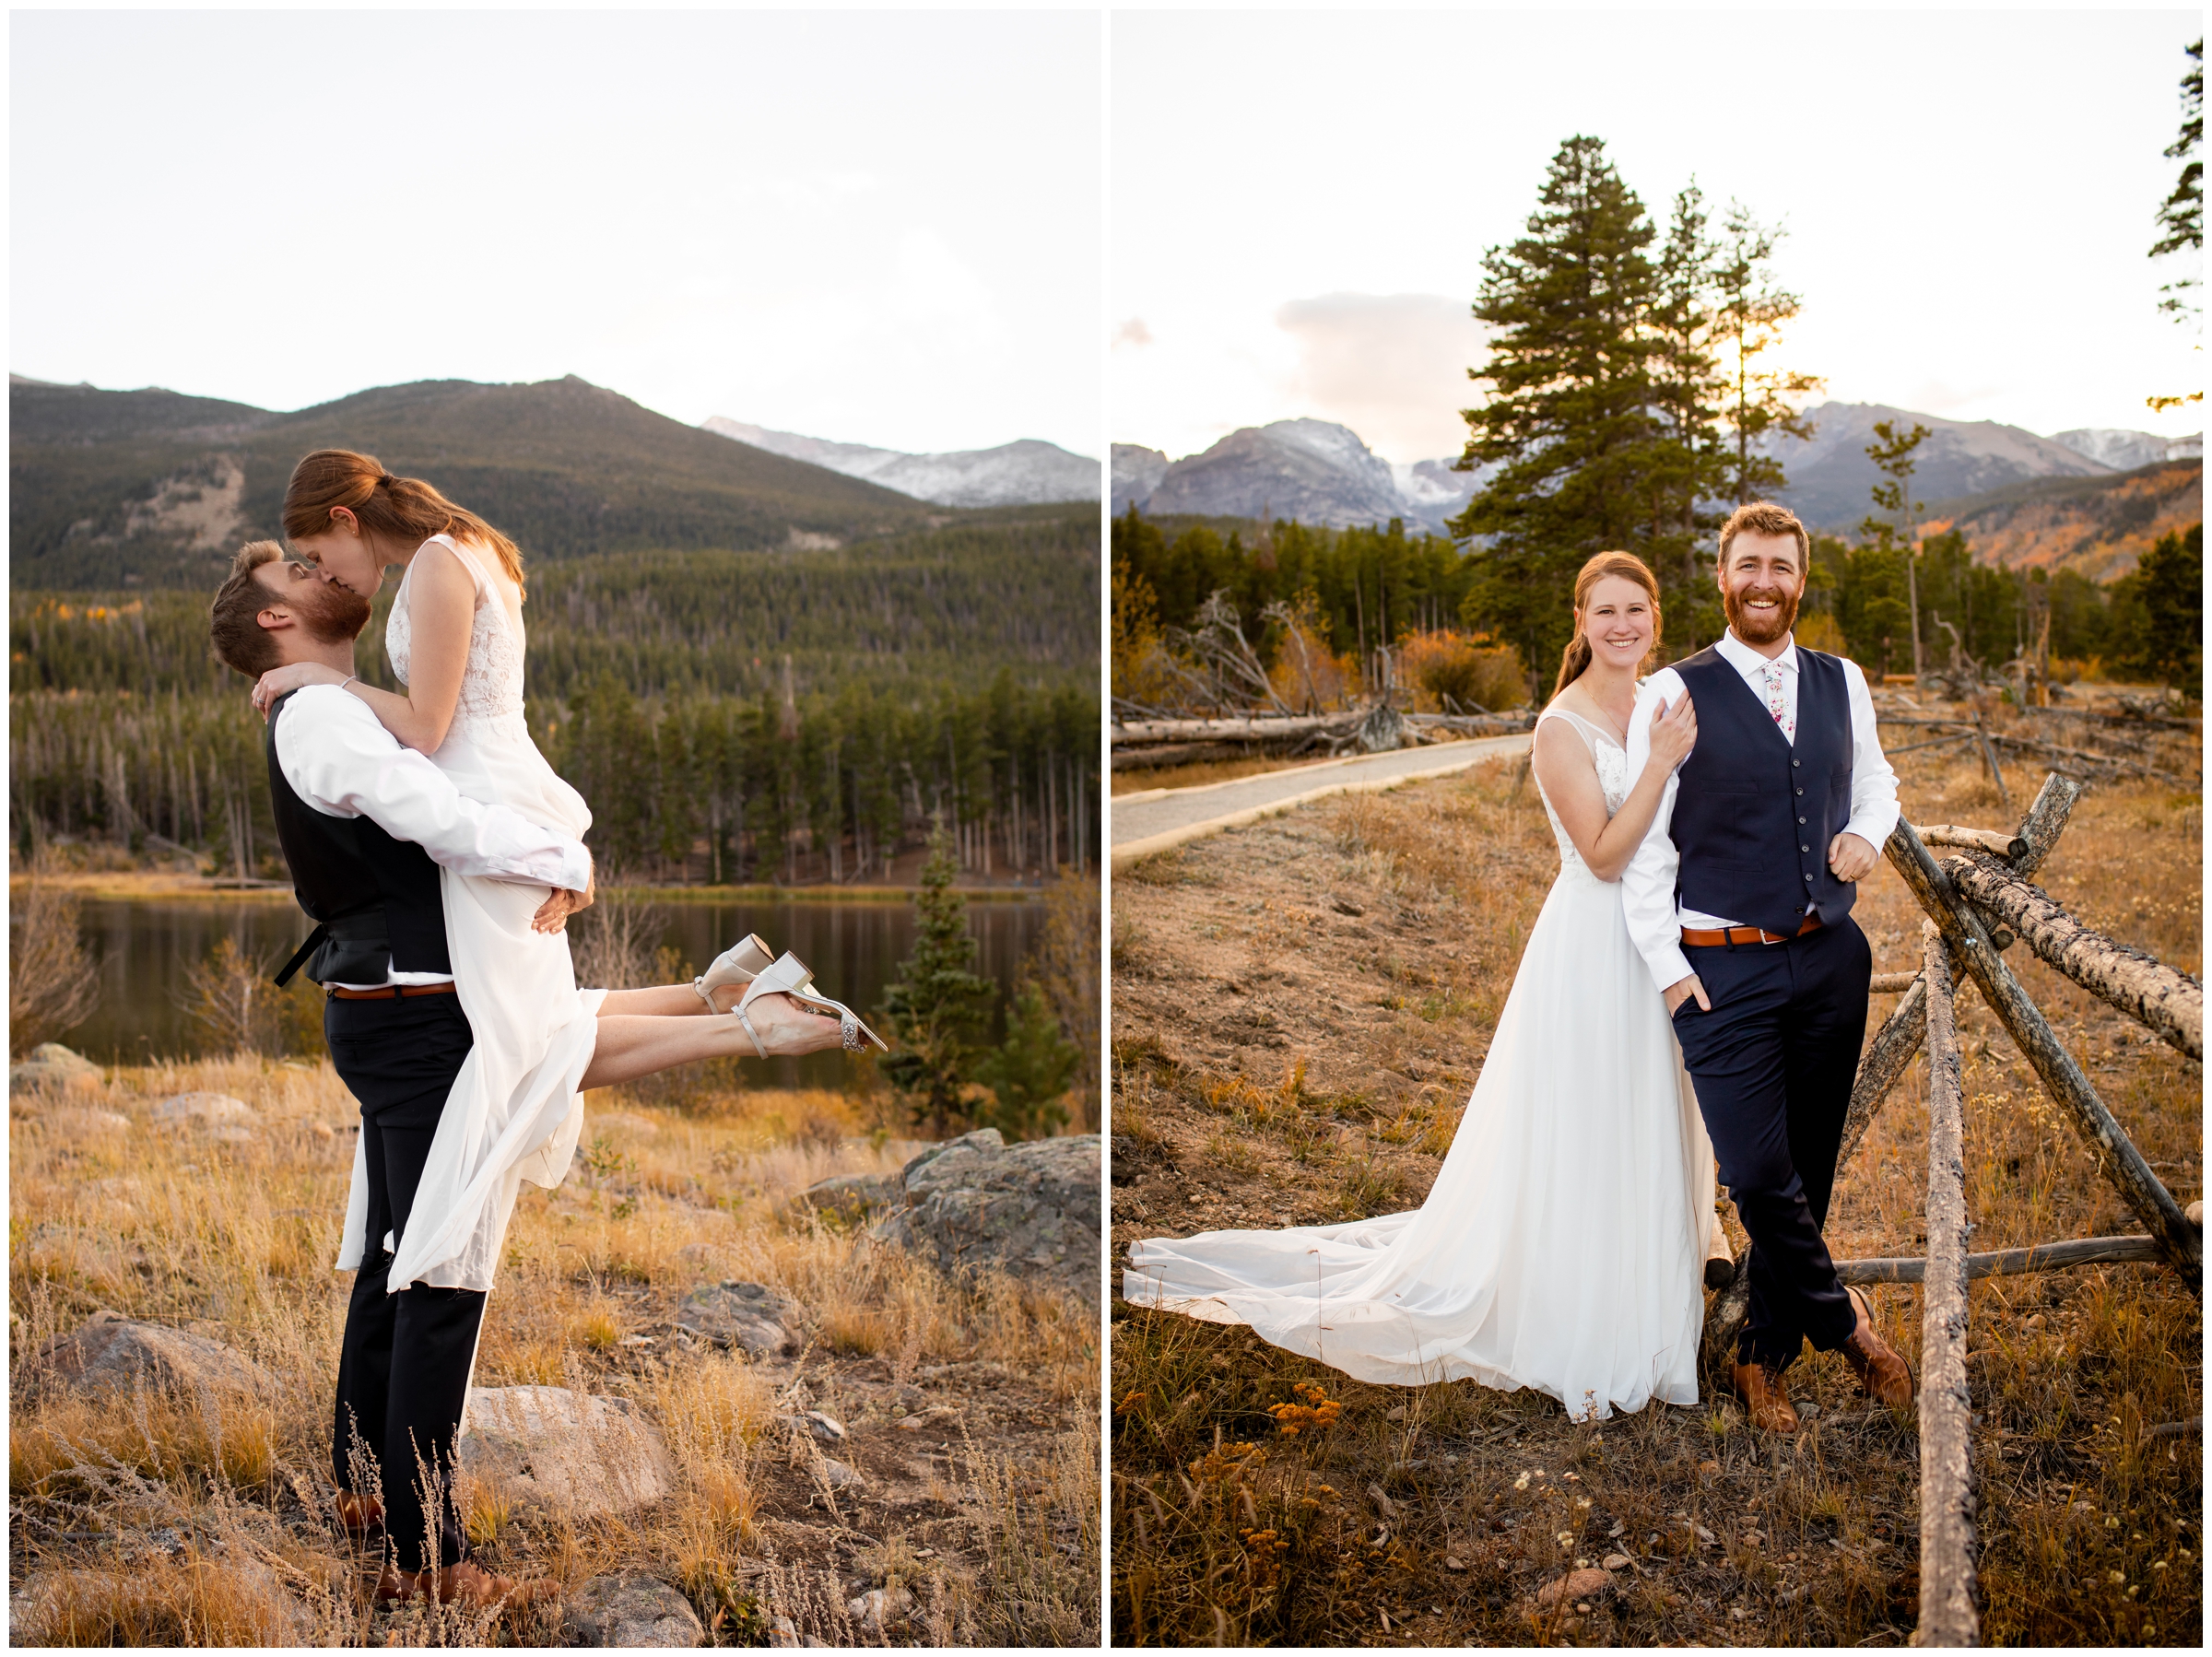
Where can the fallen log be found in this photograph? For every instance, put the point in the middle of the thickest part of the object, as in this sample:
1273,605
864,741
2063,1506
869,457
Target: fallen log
2007,1263
2113,762
1975,839
1245,728
2168,1002
1176,753
2063,1079
1948,1614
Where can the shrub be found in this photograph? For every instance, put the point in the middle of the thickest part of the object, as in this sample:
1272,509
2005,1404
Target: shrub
1460,673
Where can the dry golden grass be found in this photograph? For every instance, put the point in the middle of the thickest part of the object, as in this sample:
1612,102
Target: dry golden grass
204,1520
1246,1096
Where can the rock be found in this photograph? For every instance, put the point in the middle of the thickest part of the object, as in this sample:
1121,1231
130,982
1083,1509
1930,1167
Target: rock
850,1197
110,1354
828,1428
975,1203
1575,1585
751,1317
52,1065
212,1108
562,1451
1617,1562
1455,1563
783,1635
93,1122
879,1608
839,1475
938,1415
1807,1409
634,1611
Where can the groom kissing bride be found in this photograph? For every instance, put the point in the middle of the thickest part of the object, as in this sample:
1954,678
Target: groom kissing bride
442,856
1694,986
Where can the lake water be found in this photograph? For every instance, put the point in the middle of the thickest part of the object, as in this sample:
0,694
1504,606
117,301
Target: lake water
855,948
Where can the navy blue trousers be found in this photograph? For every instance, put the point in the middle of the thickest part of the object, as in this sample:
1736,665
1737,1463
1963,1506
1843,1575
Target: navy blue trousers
403,1366
1773,1063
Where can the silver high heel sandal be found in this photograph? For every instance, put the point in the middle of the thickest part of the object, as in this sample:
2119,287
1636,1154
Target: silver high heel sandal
791,976
739,964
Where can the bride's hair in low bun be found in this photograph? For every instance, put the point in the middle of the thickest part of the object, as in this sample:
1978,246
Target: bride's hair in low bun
405,509
1626,564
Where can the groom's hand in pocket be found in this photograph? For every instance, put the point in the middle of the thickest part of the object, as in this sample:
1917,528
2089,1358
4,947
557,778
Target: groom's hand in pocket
1681,991
1851,858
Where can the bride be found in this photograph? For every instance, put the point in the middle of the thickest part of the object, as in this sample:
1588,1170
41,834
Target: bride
456,640
1563,1244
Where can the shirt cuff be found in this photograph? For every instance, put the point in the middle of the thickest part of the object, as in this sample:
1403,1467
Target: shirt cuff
1669,967
1874,828
575,868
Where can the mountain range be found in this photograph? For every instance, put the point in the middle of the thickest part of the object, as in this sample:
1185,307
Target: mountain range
110,488
1026,473
1322,472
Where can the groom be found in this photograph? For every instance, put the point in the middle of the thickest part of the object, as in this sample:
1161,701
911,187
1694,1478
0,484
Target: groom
365,825
1739,901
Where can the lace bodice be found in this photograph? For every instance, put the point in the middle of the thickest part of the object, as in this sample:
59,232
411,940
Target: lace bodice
491,686
1612,762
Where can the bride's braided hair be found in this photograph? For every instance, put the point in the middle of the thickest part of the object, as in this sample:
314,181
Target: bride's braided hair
1577,655
405,509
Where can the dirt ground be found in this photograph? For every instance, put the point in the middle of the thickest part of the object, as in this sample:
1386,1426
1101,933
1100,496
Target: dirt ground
1299,1010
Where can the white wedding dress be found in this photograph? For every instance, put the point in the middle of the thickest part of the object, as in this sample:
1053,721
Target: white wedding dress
514,1113
1562,1246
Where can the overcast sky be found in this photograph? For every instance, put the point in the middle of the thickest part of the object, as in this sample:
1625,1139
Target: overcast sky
1300,210
876,228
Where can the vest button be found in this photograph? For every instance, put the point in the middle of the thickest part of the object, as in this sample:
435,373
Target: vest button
1793,765
1805,848
1801,791
1801,820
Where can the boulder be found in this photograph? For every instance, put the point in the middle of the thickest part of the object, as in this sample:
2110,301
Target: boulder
111,1354
634,1611
751,1317
879,1608
52,1065
557,1450
214,1109
975,1204
850,1198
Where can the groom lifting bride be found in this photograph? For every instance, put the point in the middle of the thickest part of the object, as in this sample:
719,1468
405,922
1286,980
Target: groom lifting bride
1712,824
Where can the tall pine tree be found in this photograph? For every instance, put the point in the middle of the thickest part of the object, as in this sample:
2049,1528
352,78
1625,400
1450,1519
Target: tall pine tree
1748,319
1569,420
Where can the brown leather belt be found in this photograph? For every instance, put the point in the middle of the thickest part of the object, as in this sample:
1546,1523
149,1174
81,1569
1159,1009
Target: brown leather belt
390,991
1745,934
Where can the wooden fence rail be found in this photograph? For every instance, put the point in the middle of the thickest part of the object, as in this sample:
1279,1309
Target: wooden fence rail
1947,1615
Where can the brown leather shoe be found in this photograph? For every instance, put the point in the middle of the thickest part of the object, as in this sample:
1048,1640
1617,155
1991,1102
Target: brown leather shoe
1885,1377
1759,1386
363,1516
469,1585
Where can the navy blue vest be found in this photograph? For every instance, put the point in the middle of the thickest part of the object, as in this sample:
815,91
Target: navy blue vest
1754,815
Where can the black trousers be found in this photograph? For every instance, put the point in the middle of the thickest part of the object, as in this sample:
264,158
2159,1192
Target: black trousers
403,1368
1773,1063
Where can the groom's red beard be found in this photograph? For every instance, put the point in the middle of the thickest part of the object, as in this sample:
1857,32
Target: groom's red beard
1760,626
332,614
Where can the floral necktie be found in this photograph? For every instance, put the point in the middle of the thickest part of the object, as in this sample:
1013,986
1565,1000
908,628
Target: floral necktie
1775,705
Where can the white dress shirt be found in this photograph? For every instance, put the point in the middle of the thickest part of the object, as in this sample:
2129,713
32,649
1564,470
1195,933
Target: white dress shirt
341,763
1647,885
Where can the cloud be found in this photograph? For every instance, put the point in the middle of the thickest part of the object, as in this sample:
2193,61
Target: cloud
1131,333
1393,367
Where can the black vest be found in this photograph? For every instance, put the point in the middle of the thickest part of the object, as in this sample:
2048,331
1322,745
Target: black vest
1754,815
377,898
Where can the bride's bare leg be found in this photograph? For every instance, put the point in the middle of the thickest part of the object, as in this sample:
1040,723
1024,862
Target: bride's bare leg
631,1045
666,1001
